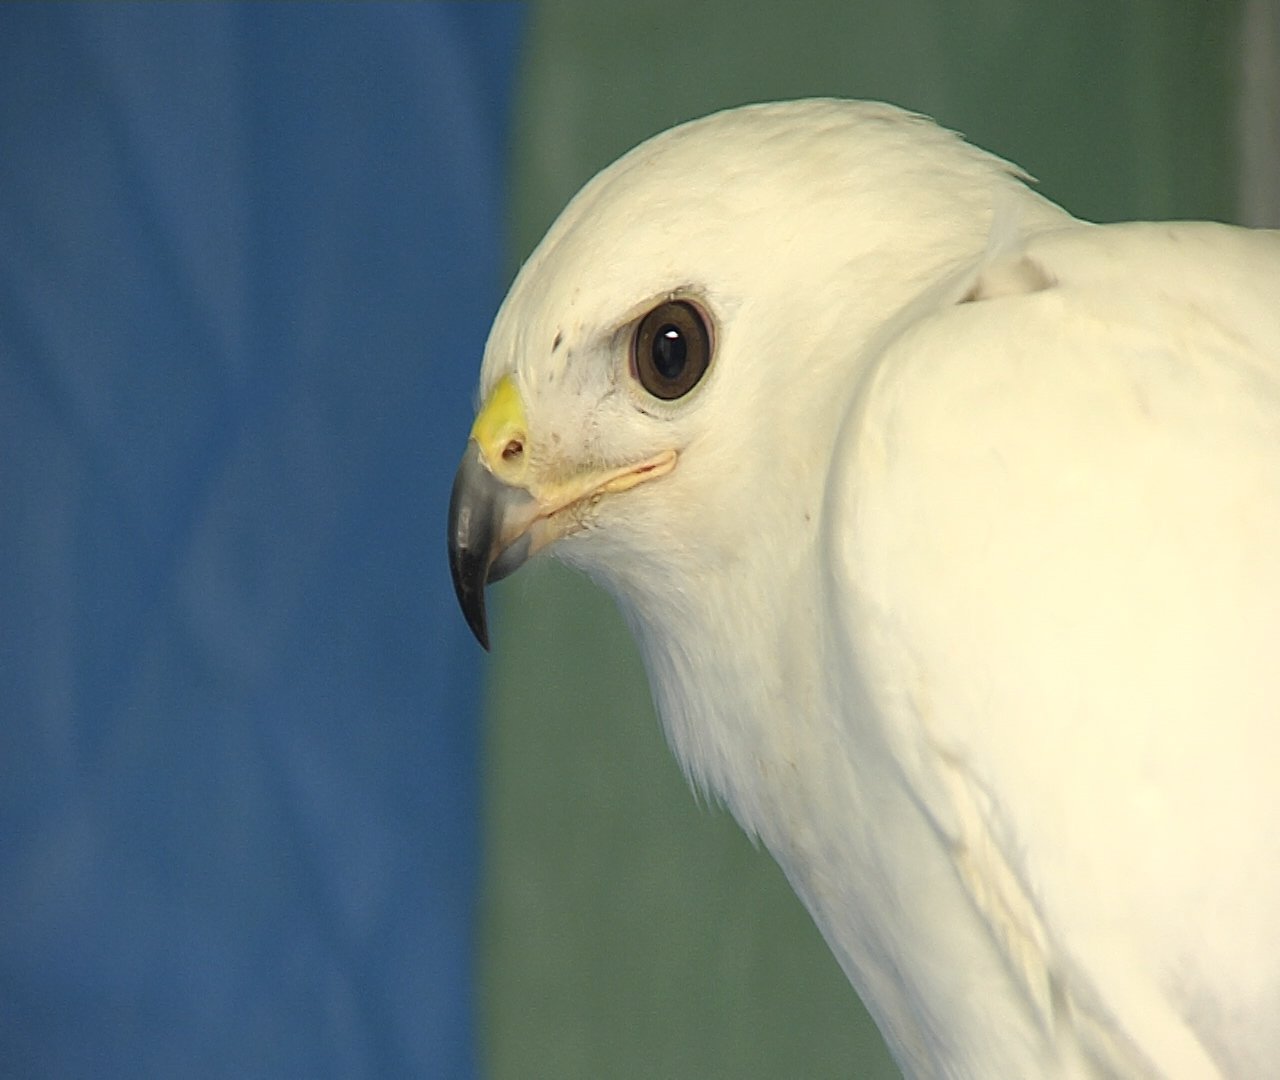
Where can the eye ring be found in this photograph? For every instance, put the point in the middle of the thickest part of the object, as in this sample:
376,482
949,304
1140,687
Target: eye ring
671,349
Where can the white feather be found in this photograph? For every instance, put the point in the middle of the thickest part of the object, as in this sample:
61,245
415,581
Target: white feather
964,595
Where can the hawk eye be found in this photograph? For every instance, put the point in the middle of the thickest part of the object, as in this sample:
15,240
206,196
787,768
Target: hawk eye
671,350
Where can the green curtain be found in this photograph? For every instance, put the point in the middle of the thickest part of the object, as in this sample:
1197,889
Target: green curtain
629,931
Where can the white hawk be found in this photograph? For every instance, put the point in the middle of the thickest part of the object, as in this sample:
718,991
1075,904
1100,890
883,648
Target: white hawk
949,528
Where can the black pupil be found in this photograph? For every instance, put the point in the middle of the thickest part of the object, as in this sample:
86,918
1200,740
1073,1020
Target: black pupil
669,352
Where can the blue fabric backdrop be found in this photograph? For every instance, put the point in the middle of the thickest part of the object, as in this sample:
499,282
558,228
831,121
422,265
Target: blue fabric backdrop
248,255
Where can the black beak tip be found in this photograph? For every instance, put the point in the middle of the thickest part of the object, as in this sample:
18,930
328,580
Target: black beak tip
479,505
471,541
473,611
469,573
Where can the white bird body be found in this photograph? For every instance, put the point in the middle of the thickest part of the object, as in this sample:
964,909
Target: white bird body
963,592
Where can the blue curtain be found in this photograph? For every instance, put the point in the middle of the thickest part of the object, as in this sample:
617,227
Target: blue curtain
248,255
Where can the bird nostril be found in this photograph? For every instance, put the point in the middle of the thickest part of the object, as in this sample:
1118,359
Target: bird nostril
513,449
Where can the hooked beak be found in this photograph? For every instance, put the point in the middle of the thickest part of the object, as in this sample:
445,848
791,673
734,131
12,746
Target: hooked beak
500,515
488,534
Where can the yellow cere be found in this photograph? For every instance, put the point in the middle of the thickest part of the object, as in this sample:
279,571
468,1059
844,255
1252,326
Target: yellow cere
500,421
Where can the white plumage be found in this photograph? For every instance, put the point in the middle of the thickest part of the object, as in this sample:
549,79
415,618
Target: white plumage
956,575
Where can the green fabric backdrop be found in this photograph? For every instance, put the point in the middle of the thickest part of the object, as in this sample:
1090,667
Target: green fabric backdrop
628,931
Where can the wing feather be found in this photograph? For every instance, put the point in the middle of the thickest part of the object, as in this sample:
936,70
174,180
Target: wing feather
1056,514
